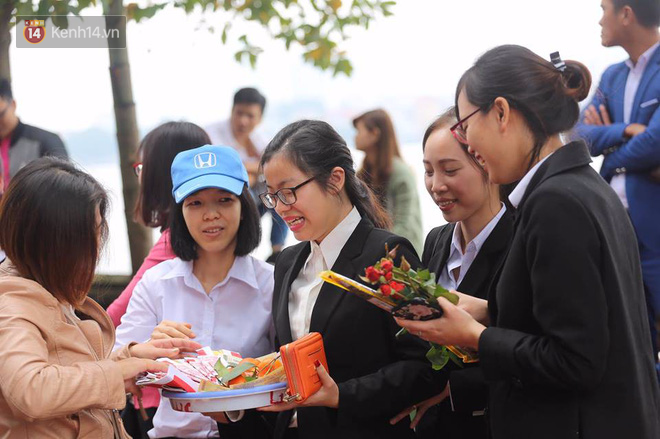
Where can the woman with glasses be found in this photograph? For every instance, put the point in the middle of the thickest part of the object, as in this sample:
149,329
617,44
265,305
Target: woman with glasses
156,152
388,175
563,340
213,291
373,375
464,255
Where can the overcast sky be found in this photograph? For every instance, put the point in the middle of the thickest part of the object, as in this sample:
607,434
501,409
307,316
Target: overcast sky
408,63
417,55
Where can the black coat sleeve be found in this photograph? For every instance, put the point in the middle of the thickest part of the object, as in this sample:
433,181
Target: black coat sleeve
400,384
569,348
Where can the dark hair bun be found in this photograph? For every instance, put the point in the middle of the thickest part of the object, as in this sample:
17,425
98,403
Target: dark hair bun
578,80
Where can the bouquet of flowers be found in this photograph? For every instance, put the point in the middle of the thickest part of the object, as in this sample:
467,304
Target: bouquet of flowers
407,293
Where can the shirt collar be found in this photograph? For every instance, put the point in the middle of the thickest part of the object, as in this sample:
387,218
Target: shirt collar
242,270
517,194
334,242
643,58
478,240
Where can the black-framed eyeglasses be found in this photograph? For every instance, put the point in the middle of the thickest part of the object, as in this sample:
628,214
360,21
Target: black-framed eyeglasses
457,129
137,168
287,195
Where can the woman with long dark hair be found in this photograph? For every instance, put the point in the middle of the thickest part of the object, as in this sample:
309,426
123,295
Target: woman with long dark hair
563,339
373,375
388,175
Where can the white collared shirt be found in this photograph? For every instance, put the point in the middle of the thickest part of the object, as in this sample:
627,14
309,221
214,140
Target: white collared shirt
306,287
516,195
235,315
618,182
458,259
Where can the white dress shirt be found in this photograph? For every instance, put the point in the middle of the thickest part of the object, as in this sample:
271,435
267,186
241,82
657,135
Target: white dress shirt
618,182
306,287
516,195
462,260
221,134
235,315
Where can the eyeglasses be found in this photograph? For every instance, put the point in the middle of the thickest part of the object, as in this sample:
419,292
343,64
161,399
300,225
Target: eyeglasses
458,131
286,195
137,168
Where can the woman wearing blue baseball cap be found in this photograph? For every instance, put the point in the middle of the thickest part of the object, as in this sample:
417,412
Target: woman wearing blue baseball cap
213,291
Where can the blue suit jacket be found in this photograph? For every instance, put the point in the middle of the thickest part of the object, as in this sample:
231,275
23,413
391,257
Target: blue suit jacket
636,156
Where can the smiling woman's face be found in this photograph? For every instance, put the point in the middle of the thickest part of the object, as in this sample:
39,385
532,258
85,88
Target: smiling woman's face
498,138
213,217
453,180
315,212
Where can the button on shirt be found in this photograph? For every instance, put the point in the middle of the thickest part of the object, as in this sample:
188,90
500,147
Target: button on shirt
462,261
618,182
235,315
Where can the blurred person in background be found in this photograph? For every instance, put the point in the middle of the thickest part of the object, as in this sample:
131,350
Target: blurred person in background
21,143
622,123
385,172
239,133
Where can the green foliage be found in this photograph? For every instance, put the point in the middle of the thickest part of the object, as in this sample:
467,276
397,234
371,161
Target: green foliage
315,26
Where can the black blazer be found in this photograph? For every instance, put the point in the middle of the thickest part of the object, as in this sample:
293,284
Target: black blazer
378,375
568,354
469,390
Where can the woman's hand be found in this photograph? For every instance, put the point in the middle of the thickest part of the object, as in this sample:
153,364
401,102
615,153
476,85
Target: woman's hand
421,408
130,367
326,396
455,327
169,329
169,347
477,308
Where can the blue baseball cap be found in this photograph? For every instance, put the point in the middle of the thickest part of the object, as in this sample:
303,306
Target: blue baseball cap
207,166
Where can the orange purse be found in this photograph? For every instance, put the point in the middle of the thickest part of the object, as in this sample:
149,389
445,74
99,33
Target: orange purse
298,359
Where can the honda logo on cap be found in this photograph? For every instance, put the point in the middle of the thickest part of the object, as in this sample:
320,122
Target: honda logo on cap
205,160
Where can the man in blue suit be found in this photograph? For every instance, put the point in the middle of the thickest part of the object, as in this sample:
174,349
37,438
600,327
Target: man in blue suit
622,123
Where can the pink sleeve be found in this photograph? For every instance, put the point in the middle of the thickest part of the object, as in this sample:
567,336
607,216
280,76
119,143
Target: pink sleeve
161,251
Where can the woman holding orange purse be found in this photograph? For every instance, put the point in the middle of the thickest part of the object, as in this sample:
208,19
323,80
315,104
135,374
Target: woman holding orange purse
372,374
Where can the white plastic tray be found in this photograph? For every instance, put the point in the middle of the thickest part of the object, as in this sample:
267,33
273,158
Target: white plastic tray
260,396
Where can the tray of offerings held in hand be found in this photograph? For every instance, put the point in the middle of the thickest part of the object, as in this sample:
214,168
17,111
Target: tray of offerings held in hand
227,400
213,381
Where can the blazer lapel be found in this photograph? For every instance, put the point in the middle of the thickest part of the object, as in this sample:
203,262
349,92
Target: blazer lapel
330,296
443,244
650,72
281,312
479,277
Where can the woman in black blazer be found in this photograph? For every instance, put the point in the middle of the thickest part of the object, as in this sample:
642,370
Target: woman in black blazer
464,255
372,374
567,351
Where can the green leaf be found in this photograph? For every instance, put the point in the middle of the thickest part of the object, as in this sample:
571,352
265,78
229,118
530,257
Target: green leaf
438,356
220,368
424,274
453,298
